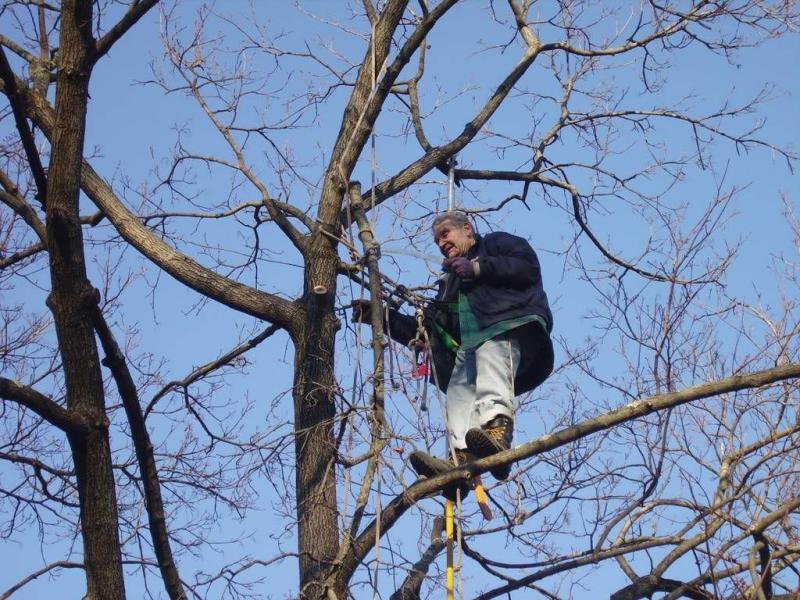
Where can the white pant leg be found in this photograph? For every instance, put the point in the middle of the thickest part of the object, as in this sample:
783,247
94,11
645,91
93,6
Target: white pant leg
497,361
461,397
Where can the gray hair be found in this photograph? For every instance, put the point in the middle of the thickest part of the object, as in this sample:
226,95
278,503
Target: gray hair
456,217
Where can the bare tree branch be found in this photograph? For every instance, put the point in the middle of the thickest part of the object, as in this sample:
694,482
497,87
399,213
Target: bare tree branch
410,589
156,514
11,198
183,268
136,11
25,134
212,366
61,564
43,406
17,257
634,410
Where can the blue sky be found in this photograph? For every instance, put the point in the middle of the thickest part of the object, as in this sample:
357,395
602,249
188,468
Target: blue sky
133,126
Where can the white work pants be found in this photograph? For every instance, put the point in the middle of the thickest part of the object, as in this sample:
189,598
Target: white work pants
482,385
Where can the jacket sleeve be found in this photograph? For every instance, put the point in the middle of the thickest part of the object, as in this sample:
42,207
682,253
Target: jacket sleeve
509,261
401,328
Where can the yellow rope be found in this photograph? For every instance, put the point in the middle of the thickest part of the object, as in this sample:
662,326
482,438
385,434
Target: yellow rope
449,529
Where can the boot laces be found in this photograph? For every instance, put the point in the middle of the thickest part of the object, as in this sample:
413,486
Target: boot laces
497,433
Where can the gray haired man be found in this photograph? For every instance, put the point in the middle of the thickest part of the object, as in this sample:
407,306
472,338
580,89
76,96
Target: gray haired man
489,328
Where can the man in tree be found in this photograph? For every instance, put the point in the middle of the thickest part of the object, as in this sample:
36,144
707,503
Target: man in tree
489,338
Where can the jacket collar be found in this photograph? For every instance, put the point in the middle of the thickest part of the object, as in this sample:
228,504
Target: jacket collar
473,252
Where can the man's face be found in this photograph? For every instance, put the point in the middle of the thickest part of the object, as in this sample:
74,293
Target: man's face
453,240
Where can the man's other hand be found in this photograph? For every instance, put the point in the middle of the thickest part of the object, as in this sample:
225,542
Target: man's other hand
461,266
361,311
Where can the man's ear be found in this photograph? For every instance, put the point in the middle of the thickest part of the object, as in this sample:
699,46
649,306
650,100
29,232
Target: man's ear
468,229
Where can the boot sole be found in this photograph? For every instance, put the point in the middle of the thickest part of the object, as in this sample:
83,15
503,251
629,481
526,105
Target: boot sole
481,445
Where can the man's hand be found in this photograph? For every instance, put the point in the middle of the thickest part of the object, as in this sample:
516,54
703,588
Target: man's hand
463,267
361,311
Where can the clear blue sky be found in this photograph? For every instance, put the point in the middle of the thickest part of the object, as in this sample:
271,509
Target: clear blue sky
133,126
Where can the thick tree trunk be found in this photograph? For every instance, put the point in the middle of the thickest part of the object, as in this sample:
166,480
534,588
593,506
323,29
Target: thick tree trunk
314,386
71,301
314,394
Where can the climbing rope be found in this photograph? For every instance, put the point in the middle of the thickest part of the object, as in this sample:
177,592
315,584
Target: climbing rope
378,473
378,424
420,346
422,340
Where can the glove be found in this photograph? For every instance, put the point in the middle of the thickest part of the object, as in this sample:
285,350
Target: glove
361,310
463,267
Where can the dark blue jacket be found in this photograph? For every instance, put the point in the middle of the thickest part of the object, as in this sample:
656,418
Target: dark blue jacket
510,281
509,286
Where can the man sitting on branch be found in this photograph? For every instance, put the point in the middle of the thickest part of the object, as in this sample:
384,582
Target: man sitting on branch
489,336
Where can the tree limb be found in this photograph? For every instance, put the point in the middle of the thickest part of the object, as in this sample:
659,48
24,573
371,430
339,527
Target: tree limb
645,587
562,437
212,366
36,464
156,516
17,257
409,590
231,293
61,564
135,12
437,155
25,134
11,198
43,406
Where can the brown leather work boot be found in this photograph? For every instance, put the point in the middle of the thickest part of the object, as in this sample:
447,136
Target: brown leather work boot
429,466
490,439
464,456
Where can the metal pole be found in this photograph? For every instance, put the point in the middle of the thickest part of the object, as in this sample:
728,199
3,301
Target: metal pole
451,182
449,527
